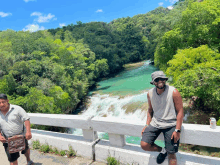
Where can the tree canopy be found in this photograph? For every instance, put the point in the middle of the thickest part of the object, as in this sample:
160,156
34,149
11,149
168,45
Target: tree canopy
50,71
45,74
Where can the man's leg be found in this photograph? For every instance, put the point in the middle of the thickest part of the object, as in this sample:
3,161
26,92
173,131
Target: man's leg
150,147
26,152
170,146
172,159
150,134
12,158
14,163
27,155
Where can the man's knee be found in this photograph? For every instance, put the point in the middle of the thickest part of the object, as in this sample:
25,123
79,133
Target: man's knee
145,146
14,163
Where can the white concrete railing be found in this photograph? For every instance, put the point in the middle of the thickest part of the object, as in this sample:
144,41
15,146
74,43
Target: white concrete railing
116,146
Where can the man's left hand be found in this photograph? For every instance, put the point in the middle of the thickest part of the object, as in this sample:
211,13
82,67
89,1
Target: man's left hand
28,135
175,136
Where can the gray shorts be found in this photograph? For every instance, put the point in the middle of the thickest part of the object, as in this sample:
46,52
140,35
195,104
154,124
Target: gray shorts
151,133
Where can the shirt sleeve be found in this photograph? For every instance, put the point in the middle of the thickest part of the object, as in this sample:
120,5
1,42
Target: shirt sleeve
23,114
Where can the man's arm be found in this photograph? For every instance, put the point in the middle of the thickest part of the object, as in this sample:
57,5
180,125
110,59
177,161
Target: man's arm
2,138
149,113
28,135
150,110
178,103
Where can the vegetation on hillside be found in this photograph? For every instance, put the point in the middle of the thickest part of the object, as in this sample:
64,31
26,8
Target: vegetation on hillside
50,71
189,53
44,74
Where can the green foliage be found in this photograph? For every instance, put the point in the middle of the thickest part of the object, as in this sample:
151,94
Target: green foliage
47,75
196,72
49,149
197,26
218,122
56,151
62,152
51,71
71,152
193,58
36,144
171,41
45,148
112,161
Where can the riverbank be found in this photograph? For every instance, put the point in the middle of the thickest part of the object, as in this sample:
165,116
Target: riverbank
131,66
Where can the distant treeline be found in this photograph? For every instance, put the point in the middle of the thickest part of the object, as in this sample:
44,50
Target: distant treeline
50,71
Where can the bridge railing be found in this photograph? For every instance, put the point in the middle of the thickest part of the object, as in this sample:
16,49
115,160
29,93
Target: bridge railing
195,134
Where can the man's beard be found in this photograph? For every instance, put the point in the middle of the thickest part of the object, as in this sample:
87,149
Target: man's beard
160,87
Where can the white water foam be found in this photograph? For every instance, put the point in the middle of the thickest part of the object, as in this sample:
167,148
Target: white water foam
112,107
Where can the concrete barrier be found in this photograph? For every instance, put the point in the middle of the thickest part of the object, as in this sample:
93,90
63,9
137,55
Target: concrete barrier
89,146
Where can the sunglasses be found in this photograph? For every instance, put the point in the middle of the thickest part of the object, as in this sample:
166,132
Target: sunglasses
159,79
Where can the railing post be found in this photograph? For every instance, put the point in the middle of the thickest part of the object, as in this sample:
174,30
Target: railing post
117,140
89,134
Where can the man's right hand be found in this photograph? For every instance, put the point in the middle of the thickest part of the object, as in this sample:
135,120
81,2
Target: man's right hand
143,130
2,139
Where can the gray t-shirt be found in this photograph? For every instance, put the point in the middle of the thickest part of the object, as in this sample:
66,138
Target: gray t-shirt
13,122
164,112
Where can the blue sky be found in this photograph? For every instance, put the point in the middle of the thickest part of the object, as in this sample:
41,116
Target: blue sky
36,15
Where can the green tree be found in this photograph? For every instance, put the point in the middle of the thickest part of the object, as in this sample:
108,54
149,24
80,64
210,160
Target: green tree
198,25
196,73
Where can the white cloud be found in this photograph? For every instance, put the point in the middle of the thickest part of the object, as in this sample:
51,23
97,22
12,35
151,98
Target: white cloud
43,18
170,7
173,1
99,11
62,24
29,0
2,14
36,14
33,28
160,4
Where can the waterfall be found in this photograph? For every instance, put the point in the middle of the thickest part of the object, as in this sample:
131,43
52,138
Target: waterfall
130,102
112,106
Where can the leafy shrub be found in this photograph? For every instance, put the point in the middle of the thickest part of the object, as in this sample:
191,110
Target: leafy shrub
112,161
56,151
196,73
44,148
36,144
218,122
71,152
62,152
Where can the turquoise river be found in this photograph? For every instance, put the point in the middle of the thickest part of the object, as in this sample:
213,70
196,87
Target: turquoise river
122,97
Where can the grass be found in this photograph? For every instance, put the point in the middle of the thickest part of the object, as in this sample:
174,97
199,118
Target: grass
45,148
71,152
62,153
112,161
36,144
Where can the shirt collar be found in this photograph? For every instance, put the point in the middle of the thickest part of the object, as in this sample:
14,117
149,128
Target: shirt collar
11,107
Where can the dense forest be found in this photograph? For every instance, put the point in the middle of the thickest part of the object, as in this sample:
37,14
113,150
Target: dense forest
51,71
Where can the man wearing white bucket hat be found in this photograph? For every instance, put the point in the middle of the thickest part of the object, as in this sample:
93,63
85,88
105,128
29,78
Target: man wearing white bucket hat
165,114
